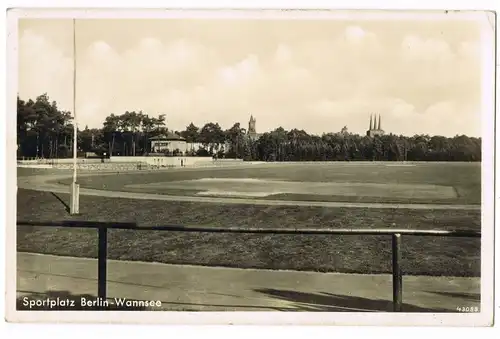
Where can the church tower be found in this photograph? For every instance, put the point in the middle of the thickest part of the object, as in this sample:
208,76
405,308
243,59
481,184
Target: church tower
251,125
375,129
252,132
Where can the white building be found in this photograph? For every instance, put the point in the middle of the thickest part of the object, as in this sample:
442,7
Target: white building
170,142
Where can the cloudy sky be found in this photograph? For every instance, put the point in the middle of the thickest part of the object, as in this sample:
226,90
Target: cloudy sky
421,76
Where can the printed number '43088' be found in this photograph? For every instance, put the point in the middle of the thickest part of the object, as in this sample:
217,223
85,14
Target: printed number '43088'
468,309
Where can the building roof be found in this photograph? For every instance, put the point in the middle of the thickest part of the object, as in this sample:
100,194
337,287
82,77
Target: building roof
169,136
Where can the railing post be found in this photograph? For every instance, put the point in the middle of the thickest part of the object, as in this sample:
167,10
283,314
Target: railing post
102,262
397,277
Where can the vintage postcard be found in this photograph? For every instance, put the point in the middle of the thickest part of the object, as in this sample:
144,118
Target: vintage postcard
251,166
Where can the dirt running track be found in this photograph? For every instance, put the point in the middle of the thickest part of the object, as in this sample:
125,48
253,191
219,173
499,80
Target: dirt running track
47,182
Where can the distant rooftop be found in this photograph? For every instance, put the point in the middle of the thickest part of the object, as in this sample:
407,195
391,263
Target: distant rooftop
168,136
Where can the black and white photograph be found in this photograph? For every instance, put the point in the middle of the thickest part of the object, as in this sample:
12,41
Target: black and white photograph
333,165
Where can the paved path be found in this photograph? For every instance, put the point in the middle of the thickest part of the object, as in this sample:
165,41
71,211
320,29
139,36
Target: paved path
48,183
187,288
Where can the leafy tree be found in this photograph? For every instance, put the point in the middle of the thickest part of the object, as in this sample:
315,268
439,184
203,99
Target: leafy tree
41,127
191,134
148,125
110,130
212,136
235,136
43,130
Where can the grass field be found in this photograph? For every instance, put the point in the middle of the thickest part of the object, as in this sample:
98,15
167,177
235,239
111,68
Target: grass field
439,183
359,254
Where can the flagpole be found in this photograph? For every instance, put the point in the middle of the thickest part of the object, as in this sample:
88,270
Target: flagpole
75,188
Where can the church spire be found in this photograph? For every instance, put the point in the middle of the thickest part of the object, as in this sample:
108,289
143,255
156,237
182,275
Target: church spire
379,122
371,122
251,124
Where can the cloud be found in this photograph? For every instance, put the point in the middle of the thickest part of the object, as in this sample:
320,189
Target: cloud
420,84
469,50
241,73
43,67
357,36
283,55
416,48
354,34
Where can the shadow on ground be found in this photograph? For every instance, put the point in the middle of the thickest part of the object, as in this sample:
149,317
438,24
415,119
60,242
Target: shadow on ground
462,295
329,302
66,206
66,301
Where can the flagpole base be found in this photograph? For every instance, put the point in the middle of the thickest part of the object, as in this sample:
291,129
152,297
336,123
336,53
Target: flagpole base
74,204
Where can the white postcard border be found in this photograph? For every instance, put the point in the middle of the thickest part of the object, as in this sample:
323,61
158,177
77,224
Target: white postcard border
261,318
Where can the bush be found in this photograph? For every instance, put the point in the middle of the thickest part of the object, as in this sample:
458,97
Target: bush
202,153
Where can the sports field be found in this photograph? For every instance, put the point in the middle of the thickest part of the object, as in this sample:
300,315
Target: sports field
438,183
432,183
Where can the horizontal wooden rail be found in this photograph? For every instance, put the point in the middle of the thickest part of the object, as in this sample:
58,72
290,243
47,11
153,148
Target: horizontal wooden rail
396,234
263,230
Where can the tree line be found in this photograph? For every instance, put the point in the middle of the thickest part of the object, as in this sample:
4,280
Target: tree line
45,131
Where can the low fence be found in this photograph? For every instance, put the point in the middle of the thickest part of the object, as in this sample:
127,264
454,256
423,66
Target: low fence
128,162
396,235
173,161
56,161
